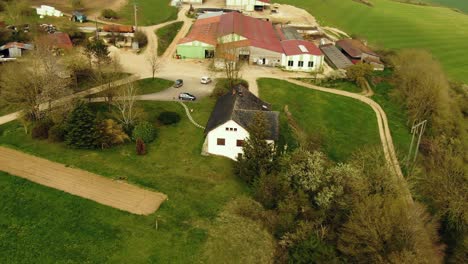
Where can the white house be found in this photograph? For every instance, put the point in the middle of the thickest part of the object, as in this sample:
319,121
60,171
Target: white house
234,113
301,55
248,5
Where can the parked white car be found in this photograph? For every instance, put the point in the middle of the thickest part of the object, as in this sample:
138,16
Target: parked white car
205,80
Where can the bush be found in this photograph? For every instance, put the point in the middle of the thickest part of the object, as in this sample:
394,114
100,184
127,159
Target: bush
40,129
141,38
109,14
140,147
169,118
222,87
110,134
57,133
145,131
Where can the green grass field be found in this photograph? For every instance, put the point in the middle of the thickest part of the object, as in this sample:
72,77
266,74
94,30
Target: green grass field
344,123
396,25
150,12
461,5
166,35
43,225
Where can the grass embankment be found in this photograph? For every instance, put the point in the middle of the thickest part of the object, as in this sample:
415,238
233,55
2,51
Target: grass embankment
394,25
145,86
337,84
166,35
344,123
150,12
199,189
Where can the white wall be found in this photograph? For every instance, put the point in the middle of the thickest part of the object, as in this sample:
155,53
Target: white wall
247,5
230,149
318,62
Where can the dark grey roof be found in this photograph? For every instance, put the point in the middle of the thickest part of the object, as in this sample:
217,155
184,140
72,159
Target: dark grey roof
334,56
291,33
241,107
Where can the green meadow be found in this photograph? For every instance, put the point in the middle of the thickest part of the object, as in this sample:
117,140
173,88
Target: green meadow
393,25
461,5
150,12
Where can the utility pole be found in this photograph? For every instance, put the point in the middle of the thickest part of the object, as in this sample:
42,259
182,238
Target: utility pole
97,29
135,10
416,129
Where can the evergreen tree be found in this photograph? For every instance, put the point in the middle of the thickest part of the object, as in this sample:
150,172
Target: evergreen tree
259,155
81,128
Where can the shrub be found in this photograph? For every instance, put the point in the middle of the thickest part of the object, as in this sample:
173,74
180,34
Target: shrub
57,133
40,129
81,128
140,147
141,38
169,118
109,14
145,131
110,133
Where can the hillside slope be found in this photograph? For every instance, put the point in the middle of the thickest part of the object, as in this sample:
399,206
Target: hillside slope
395,25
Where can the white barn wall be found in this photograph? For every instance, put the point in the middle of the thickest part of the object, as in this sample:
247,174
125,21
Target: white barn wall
318,62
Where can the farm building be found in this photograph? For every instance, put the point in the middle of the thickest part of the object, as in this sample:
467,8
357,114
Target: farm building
334,57
236,36
232,116
15,49
201,41
357,51
58,40
248,5
301,55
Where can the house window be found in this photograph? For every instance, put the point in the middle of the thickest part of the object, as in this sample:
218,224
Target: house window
227,128
301,64
290,63
221,141
239,143
311,64
235,129
231,129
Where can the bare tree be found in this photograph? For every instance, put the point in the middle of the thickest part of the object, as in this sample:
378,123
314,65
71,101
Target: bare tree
125,109
39,78
227,57
152,59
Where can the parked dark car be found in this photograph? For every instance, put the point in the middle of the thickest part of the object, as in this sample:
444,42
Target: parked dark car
178,83
187,97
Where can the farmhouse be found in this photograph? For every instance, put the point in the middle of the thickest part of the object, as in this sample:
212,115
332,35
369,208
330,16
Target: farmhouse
228,126
357,51
248,5
236,36
15,49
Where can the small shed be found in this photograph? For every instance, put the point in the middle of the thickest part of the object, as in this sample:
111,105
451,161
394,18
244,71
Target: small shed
78,17
15,49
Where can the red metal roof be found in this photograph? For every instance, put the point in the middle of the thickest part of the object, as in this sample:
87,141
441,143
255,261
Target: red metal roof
58,40
14,45
354,47
260,33
264,1
293,47
203,30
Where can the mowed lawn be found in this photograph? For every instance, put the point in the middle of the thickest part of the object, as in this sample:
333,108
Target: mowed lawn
345,124
43,225
461,5
150,12
394,25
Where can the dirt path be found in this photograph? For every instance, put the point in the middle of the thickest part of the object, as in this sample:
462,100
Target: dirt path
103,190
384,130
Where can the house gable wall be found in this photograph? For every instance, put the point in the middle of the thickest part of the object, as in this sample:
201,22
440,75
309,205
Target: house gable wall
230,148
318,62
